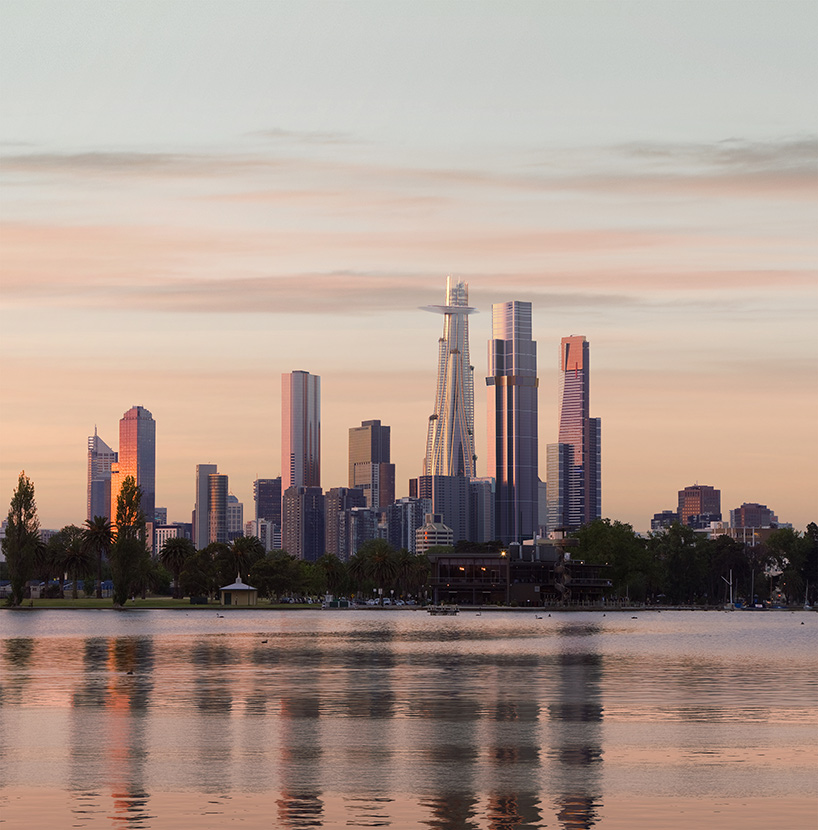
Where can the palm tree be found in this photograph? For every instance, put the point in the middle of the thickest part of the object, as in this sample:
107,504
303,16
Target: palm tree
334,571
173,555
246,550
98,536
382,566
73,556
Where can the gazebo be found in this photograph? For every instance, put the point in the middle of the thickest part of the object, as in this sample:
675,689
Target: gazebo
238,594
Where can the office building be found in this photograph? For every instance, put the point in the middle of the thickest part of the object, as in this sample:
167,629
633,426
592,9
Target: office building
699,505
403,518
300,430
512,422
201,517
267,498
235,517
481,510
370,468
100,459
450,498
303,522
575,491
432,533
752,514
136,458
217,508
450,437
663,520
266,532
339,503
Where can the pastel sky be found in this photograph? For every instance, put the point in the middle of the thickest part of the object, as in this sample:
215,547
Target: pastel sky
199,196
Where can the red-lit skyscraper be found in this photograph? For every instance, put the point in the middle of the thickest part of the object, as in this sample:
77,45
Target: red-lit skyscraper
575,463
137,458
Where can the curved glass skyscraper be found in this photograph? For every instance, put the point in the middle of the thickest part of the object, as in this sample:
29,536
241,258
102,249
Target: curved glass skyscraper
450,439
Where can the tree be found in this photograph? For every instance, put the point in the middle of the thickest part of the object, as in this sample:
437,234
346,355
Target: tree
276,574
71,555
129,553
246,551
198,575
173,555
98,537
381,563
791,552
22,537
334,571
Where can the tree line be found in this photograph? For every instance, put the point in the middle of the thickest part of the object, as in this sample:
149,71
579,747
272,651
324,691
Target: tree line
678,566
100,550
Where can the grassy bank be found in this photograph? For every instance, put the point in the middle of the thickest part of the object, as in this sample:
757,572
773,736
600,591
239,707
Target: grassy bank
155,603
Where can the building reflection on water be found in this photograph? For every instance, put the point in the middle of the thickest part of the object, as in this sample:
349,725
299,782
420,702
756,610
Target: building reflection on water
576,731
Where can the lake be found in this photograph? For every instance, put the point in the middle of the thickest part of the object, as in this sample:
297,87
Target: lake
394,718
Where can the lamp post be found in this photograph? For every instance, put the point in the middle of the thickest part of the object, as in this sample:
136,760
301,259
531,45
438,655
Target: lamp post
504,557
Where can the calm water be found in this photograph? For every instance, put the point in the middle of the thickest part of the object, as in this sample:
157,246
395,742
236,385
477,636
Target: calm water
341,719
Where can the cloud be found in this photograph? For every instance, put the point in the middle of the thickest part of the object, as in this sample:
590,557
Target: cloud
305,136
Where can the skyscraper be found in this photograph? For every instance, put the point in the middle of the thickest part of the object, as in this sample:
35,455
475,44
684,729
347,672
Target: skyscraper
217,508
267,496
300,430
575,465
450,438
370,468
100,459
201,516
699,502
512,422
303,530
137,458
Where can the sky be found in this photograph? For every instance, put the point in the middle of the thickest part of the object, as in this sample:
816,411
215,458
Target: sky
196,197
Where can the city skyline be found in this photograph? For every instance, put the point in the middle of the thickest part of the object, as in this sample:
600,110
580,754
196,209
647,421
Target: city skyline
196,204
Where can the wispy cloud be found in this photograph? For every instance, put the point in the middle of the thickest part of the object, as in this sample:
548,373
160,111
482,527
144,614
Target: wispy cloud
278,134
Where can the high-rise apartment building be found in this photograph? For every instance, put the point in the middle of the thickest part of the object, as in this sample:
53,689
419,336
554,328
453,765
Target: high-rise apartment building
137,458
450,437
699,505
481,510
338,505
370,468
217,508
300,430
201,515
267,498
100,459
235,517
403,518
450,498
575,490
512,422
303,529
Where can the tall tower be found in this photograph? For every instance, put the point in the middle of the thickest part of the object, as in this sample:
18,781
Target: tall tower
300,430
576,463
137,458
512,422
450,439
370,468
201,520
100,459
217,488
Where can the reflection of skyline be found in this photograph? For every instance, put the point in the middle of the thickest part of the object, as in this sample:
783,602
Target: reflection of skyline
576,718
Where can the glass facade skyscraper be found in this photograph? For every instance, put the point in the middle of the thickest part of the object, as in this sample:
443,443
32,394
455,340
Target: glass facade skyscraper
450,437
137,458
575,464
512,422
100,459
201,515
370,468
300,430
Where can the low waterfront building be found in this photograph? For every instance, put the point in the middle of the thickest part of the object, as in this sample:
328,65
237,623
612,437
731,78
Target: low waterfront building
238,594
